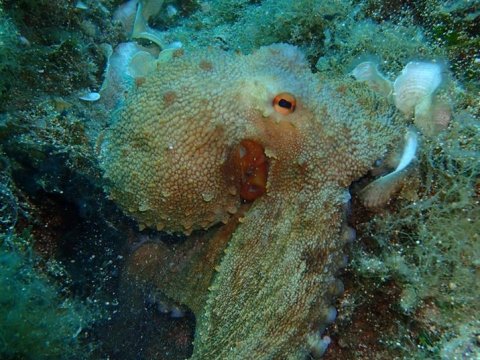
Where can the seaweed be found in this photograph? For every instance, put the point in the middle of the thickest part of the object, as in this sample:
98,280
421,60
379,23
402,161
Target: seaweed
427,244
51,47
38,320
411,289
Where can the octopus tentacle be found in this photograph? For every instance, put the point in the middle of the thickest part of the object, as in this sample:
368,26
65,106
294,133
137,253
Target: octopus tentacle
183,271
264,309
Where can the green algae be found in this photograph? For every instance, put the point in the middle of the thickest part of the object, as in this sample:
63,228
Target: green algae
450,25
41,317
428,242
425,242
51,47
38,320
9,52
46,158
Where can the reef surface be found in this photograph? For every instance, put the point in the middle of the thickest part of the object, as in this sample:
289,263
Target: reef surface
81,279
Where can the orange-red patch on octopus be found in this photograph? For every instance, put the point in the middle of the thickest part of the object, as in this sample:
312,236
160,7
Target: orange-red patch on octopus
251,167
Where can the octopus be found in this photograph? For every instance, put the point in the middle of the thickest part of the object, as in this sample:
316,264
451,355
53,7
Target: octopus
251,158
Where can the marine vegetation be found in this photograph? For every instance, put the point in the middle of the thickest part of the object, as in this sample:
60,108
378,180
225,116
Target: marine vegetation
38,320
428,243
184,177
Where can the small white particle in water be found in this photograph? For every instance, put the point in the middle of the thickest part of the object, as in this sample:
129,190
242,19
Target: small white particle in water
81,5
79,330
171,11
175,45
23,40
91,97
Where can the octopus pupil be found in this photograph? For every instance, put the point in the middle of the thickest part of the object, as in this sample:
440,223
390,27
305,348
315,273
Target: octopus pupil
285,104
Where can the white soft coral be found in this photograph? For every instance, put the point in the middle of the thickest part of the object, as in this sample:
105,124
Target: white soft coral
134,16
379,191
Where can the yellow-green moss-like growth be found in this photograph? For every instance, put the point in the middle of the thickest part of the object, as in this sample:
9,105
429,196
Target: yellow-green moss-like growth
38,322
429,244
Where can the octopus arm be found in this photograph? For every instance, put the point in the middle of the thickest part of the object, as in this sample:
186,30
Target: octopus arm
275,281
183,271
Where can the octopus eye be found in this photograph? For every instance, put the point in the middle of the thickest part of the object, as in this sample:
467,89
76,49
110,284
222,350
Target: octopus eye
284,103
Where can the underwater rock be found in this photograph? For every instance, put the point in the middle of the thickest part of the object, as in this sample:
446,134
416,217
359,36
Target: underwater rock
169,159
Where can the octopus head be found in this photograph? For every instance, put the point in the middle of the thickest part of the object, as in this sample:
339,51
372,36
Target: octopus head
210,130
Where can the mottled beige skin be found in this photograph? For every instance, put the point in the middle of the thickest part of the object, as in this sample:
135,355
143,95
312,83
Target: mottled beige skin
167,160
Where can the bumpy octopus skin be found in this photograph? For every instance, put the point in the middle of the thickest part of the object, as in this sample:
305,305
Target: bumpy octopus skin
260,272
